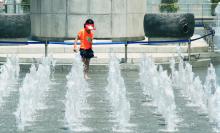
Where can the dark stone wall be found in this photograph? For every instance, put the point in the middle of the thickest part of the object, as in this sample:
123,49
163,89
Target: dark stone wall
15,26
169,25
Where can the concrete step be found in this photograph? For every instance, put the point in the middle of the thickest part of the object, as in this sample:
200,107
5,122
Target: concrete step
103,58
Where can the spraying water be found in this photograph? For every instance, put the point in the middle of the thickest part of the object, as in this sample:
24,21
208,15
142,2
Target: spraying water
214,109
190,85
147,67
206,97
76,97
212,93
9,73
117,96
210,82
32,93
158,86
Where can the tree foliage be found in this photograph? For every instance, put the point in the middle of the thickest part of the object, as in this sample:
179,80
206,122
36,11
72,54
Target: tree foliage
25,5
25,1
169,6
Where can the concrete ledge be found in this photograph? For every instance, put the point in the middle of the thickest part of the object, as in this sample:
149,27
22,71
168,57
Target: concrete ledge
104,67
197,46
101,58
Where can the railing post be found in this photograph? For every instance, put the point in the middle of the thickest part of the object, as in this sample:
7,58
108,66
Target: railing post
202,13
212,42
189,50
6,8
14,6
126,51
188,8
46,48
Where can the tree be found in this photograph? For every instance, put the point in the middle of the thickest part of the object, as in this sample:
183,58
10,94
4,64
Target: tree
25,4
214,4
169,6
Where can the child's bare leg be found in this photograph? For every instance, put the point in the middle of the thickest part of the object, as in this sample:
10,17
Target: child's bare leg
86,67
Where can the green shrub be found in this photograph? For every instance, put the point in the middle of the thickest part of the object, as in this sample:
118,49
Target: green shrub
25,4
169,6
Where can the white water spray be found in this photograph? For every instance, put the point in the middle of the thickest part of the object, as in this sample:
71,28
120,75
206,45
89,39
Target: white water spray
190,85
76,97
206,97
117,96
158,86
212,93
147,67
212,97
210,85
214,109
32,93
9,73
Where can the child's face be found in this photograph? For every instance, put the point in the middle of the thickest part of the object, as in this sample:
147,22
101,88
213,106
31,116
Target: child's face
90,27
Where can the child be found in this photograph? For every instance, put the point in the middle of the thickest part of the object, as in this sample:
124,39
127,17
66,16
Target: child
85,36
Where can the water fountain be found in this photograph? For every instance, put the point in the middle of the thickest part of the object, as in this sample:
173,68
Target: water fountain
159,88
212,94
76,97
210,82
190,85
158,91
214,109
206,96
117,96
147,67
9,73
32,93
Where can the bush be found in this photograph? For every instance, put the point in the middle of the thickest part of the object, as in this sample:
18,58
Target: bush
25,4
169,6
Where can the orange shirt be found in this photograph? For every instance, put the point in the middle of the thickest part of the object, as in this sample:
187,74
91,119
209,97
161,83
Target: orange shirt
85,39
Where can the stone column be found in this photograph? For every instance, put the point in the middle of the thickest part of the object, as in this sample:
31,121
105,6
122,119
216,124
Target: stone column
62,19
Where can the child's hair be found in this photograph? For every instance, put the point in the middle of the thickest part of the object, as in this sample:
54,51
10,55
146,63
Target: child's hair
88,21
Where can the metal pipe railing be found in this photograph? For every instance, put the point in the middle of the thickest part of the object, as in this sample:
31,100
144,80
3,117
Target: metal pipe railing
46,43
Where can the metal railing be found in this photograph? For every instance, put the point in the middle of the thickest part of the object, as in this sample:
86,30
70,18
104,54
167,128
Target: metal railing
207,36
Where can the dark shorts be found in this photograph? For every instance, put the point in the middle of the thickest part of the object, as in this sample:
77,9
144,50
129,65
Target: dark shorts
86,53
